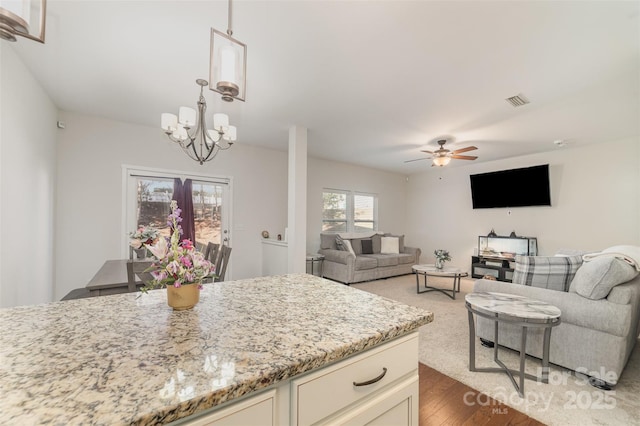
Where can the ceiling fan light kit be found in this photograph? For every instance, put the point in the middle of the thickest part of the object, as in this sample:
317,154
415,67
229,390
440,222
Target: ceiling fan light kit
16,19
442,156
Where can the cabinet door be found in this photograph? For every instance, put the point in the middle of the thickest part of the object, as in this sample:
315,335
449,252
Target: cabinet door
257,410
396,406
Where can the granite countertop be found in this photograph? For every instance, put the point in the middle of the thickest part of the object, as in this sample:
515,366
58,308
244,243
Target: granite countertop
125,359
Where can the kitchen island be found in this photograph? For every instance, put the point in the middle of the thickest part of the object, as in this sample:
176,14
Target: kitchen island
130,359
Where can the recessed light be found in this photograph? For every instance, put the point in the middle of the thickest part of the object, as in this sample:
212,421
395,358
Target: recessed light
560,142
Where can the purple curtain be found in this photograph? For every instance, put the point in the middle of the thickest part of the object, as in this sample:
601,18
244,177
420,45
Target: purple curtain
183,195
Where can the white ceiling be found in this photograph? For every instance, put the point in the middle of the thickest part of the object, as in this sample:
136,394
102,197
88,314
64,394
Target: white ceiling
373,81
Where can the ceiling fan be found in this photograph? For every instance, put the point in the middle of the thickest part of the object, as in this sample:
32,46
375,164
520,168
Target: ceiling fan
442,156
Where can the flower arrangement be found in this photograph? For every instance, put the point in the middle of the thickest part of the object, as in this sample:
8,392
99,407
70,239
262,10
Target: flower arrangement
441,257
177,262
144,235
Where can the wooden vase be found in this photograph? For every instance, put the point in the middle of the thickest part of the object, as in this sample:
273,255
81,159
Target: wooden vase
184,297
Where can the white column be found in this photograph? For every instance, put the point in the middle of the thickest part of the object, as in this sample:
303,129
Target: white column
297,200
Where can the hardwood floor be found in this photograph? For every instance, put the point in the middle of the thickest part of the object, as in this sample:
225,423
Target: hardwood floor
442,402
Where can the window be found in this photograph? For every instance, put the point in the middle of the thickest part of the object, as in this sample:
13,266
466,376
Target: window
148,197
347,211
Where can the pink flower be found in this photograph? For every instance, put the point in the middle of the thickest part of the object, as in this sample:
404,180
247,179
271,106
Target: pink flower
186,261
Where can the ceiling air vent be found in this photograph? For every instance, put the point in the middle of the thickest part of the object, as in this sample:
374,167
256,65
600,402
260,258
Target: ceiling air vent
517,100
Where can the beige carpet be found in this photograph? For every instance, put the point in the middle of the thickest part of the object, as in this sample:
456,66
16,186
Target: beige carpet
566,400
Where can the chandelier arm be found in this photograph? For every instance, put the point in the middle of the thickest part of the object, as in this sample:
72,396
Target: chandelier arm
213,151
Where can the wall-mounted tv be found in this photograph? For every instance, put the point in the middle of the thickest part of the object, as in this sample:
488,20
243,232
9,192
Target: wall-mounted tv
528,186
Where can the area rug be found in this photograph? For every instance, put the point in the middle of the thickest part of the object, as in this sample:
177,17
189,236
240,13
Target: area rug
566,400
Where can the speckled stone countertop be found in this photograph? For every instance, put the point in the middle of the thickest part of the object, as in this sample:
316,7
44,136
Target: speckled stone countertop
125,359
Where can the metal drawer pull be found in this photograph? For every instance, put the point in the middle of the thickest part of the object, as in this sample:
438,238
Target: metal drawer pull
372,381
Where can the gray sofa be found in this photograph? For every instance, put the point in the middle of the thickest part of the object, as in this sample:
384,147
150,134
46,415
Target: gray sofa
600,323
346,267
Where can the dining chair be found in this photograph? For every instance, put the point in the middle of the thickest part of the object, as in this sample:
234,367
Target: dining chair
222,262
137,269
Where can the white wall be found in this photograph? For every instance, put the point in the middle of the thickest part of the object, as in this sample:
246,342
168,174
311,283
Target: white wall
27,181
391,189
595,203
89,203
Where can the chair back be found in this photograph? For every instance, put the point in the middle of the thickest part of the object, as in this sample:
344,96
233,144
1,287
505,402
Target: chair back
212,252
136,269
223,261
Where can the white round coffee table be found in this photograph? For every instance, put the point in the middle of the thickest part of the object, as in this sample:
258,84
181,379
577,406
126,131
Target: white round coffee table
517,310
431,270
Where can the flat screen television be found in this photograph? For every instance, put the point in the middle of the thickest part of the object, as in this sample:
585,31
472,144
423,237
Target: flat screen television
528,186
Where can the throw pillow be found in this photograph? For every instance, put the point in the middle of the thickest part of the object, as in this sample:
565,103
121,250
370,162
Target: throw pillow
389,245
595,279
554,272
356,244
340,243
347,245
400,241
328,241
367,247
377,243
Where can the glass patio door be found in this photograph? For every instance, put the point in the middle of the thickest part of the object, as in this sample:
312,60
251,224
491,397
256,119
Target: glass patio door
148,196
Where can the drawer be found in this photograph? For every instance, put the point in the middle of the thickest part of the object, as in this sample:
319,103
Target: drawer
328,390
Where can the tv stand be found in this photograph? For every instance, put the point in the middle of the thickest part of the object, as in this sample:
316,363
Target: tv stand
496,255
498,268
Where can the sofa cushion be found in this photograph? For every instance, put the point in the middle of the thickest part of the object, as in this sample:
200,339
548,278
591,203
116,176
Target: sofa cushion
390,245
367,246
554,273
328,241
377,243
404,258
400,241
595,278
576,310
365,262
384,259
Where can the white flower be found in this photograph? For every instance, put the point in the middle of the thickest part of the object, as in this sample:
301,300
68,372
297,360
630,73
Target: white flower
159,249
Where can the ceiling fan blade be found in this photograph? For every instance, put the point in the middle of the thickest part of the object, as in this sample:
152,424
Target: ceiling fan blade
417,159
428,152
464,157
461,150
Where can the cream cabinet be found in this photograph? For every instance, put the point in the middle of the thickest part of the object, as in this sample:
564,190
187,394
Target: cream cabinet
377,387
254,410
274,257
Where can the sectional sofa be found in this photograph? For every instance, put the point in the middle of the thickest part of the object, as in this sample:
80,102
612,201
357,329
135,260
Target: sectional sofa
366,257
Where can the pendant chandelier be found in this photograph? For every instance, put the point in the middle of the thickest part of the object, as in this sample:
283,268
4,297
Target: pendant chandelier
228,64
15,19
201,144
